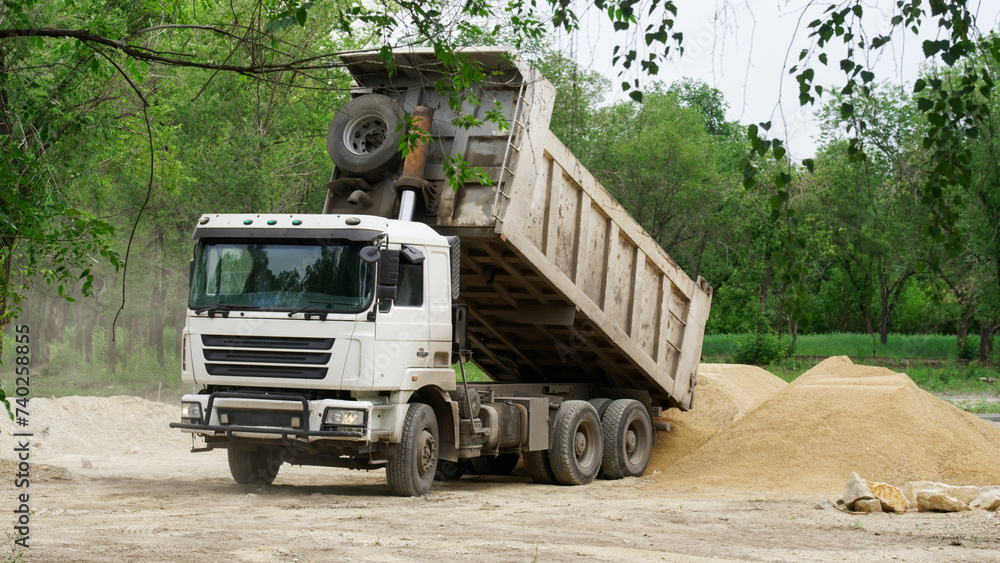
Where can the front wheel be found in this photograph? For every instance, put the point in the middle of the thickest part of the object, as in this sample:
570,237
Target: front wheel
410,470
253,466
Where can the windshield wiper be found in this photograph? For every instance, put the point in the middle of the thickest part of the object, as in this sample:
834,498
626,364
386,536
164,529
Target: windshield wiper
314,303
223,308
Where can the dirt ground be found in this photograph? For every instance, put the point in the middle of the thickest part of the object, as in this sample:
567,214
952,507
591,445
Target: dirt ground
184,507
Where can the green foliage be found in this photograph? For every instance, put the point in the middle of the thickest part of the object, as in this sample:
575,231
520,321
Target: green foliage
858,346
968,348
761,348
980,406
947,377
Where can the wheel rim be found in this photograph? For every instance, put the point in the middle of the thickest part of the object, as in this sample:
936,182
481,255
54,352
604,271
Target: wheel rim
583,444
365,133
428,453
635,442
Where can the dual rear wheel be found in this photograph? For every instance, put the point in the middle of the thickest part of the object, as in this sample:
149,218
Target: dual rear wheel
603,435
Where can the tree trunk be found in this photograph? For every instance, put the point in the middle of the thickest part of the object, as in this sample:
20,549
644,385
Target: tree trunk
985,342
112,357
91,316
78,329
44,332
781,312
765,287
883,325
866,309
158,313
847,310
963,325
698,255
129,341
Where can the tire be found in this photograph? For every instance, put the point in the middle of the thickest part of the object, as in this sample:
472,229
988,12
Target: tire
628,439
466,401
537,464
601,405
253,466
577,444
450,470
410,470
363,137
502,464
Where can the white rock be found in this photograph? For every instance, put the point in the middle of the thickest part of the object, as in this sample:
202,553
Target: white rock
856,490
965,494
911,489
929,501
987,499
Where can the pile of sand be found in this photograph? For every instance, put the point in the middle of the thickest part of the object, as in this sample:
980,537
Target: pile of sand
96,426
837,418
724,394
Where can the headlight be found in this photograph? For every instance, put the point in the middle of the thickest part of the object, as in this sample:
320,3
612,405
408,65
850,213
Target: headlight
191,411
344,417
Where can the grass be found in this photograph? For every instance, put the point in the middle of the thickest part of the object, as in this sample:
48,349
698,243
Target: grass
979,406
858,346
472,373
931,361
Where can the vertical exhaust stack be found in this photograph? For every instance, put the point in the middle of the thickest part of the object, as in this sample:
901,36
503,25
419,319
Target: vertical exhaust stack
412,180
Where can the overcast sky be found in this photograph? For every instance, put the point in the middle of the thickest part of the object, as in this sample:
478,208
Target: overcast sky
745,48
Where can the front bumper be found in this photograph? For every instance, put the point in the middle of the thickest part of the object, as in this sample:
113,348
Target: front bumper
284,416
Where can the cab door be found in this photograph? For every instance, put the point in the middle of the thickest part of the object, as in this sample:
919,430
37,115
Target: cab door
402,326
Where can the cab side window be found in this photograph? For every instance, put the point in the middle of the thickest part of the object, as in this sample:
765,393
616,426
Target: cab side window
410,292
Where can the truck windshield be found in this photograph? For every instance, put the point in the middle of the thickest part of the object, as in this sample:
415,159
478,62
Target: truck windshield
281,275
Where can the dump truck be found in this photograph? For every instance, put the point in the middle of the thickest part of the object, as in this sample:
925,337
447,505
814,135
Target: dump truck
332,339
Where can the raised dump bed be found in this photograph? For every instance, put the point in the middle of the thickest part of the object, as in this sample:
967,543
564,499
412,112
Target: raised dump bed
563,285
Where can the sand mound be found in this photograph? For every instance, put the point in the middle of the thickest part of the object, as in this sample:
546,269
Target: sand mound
724,394
837,418
96,426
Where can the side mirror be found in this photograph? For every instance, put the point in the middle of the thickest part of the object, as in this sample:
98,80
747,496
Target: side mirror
190,273
370,254
388,275
459,329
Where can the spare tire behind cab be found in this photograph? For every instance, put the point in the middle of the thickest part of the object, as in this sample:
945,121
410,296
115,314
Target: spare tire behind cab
363,138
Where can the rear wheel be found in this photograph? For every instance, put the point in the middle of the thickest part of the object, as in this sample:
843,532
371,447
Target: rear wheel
601,404
502,464
410,470
577,445
257,466
628,439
